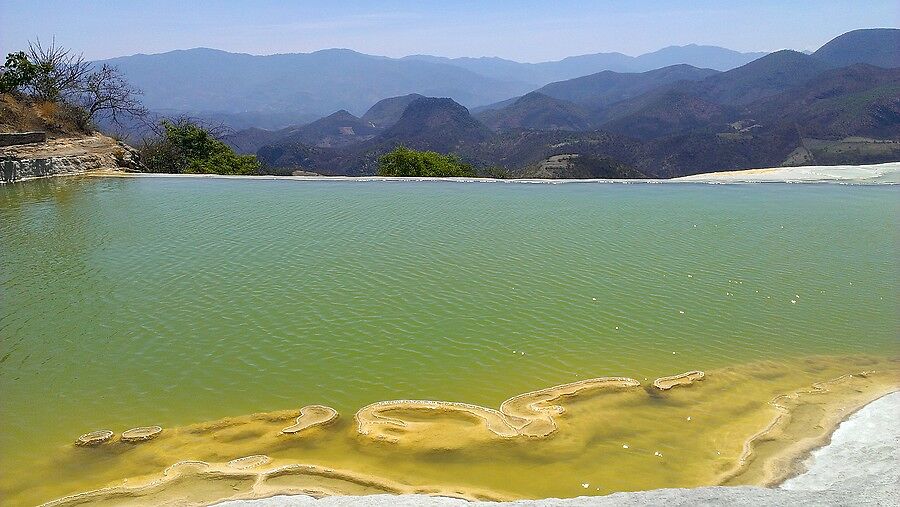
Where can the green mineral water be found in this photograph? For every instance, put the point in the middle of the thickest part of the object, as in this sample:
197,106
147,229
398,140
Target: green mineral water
128,302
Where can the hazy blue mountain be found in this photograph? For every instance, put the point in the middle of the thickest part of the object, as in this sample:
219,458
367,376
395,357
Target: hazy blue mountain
874,46
427,123
858,100
387,112
786,108
437,124
607,87
252,139
539,74
537,111
337,129
303,83
274,91
769,75
710,103
706,57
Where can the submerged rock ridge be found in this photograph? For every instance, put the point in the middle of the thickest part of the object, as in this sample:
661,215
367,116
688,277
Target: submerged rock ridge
749,424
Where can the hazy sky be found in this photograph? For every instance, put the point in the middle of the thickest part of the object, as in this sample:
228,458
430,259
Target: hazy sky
523,30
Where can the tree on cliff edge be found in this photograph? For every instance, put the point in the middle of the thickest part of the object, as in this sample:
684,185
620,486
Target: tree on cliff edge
57,75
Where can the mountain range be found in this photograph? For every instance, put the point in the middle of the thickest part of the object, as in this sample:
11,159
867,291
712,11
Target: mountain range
840,104
275,91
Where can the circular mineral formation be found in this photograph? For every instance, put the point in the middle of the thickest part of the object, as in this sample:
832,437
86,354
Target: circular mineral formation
141,434
94,438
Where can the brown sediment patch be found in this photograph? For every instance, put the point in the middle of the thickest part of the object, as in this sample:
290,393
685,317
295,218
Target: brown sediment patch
94,438
199,482
530,414
141,434
804,420
682,379
312,416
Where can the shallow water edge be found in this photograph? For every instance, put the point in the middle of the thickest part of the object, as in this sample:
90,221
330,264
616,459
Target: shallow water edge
768,440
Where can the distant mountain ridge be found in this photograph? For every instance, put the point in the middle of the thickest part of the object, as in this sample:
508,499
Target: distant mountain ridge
786,108
275,91
208,80
874,46
712,57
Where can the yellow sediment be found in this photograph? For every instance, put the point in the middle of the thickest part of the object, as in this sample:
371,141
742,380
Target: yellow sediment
746,424
805,421
683,379
185,482
312,416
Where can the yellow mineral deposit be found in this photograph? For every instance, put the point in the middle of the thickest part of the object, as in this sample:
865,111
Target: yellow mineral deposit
526,415
749,424
311,416
682,379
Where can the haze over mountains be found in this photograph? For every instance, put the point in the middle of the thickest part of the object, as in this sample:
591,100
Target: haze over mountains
785,108
840,104
267,91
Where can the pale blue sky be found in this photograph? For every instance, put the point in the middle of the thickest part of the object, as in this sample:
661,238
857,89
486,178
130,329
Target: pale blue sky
523,30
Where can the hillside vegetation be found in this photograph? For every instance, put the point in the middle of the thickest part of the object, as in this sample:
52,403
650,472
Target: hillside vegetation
410,163
54,90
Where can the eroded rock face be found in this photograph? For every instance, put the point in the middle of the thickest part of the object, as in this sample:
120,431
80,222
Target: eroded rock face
66,156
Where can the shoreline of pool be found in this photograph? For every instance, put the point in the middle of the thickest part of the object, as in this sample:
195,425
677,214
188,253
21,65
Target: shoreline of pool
875,174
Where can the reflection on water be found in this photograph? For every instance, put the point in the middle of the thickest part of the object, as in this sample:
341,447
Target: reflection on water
135,302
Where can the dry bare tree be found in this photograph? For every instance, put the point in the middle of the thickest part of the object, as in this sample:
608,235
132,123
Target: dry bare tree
105,93
66,77
60,71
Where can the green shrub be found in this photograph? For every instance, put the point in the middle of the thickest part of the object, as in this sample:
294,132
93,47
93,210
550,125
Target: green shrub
406,162
17,72
185,147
